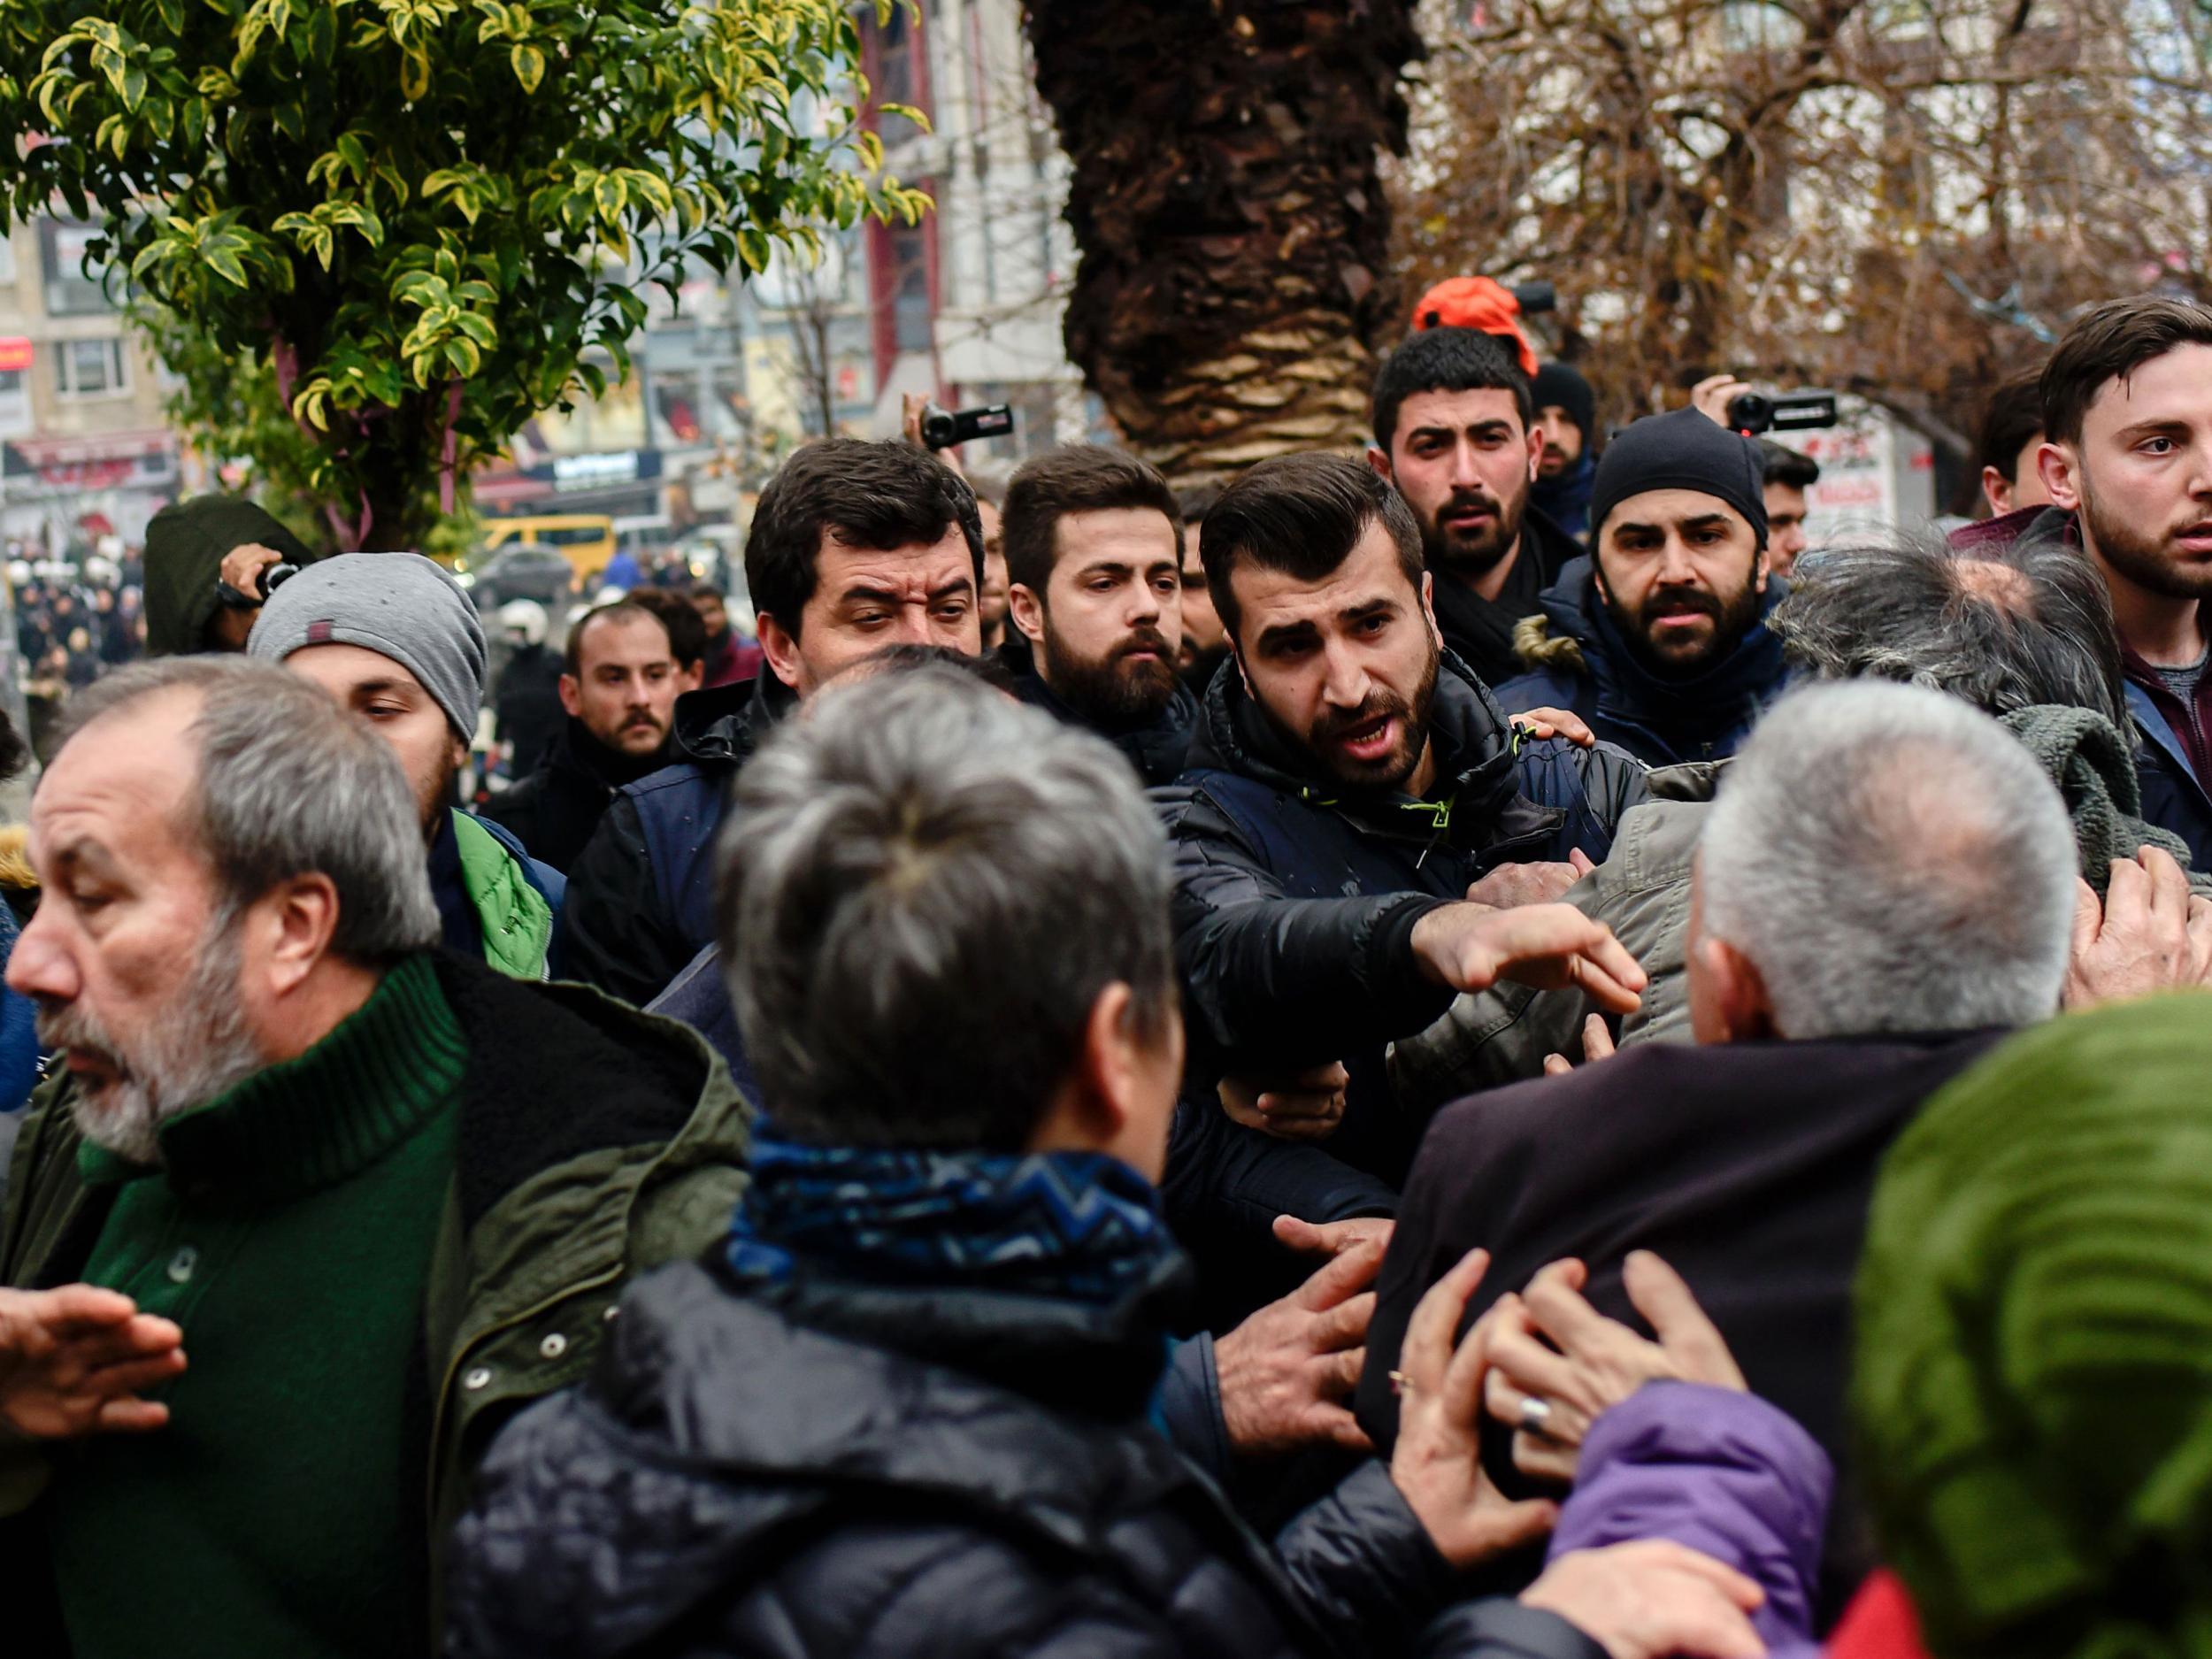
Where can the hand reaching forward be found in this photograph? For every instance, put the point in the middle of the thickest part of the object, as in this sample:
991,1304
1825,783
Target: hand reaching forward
1437,1465
1552,947
73,1361
1592,1362
1285,1372
2151,933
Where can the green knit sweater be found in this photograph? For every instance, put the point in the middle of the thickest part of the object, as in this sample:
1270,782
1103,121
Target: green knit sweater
280,1511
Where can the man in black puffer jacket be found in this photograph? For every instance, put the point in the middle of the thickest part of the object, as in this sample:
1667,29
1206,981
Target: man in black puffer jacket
909,1409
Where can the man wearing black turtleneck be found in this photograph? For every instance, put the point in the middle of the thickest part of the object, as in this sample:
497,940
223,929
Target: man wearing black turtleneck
619,688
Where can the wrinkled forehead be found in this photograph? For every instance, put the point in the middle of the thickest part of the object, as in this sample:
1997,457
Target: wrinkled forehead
1370,575
124,782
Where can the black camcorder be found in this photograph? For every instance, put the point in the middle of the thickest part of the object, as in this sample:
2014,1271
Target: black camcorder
1752,413
941,429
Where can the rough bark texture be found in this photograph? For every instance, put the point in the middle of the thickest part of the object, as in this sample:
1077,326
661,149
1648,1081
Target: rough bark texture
1233,228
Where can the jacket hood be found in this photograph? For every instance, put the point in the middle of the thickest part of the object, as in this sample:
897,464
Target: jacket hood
768,1421
721,726
1579,634
186,544
1474,741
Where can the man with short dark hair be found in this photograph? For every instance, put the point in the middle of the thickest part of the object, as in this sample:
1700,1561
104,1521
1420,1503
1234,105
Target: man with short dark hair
1456,430
1788,474
619,692
854,546
2011,437
685,628
379,1194
2127,460
207,559
1567,409
1657,637
1350,783
729,657
1093,552
1205,647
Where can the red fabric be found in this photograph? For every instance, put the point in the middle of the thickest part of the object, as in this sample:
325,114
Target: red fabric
1880,1624
1476,302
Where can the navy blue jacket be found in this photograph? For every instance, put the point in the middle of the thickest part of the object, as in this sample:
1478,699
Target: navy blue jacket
1662,722
2173,796
640,895
1294,909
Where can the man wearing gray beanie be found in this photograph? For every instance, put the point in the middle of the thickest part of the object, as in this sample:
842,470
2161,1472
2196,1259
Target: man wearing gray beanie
392,637
1657,636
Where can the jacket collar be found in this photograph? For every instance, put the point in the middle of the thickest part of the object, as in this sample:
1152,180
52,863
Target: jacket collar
719,727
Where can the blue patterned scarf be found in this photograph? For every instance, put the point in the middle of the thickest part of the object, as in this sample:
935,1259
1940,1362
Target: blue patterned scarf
1074,1224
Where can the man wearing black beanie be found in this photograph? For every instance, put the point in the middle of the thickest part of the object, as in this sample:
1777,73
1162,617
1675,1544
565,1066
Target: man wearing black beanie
1657,637
1567,409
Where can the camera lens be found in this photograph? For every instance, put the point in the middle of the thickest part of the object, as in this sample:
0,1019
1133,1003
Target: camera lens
938,430
1748,412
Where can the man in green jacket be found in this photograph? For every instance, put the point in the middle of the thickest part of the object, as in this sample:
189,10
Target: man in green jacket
391,636
380,1196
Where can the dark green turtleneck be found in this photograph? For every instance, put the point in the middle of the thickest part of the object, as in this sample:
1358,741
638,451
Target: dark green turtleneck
290,1233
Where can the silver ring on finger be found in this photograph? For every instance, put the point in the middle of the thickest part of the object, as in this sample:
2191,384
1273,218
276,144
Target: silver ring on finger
1535,1416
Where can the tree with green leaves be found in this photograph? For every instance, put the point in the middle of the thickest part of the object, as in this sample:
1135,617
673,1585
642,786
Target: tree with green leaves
426,220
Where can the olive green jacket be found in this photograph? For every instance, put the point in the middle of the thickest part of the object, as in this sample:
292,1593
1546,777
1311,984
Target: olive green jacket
595,1142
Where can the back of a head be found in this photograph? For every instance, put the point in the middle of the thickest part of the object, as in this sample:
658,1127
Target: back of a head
290,783
1447,360
2033,1359
1075,478
1301,514
186,543
2014,415
1791,468
923,890
882,495
1891,861
2020,627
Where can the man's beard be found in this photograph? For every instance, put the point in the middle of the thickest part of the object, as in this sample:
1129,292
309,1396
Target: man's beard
192,1051
1475,553
2144,560
1389,773
1122,690
1733,619
1199,668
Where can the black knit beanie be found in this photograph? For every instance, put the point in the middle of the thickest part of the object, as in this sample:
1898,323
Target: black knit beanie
1558,387
1681,450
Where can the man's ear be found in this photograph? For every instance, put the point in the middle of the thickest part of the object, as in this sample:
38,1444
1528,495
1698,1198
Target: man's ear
1028,610
1762,567
1740,991
1379,459
572,697
1428,607
300,916
1997,491
2060,465
1535,450
779,649
1597,576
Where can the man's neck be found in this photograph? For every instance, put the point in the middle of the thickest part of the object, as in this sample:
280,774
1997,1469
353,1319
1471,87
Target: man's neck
2165,631
1424,777
316,1007
1492,582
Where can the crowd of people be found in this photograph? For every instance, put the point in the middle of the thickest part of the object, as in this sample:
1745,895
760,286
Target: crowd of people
1471,1051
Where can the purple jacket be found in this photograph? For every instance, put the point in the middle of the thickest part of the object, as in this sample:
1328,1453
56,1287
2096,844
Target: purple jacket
1722,1472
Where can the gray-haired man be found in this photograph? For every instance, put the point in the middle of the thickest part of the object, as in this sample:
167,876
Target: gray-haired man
1885,886
379,1194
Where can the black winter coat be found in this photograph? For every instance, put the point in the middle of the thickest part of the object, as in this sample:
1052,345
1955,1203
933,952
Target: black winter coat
640,897
843,1470
1157,750
1294,911
554,810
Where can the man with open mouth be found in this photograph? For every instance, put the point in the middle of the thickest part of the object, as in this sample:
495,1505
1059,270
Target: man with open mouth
1657,638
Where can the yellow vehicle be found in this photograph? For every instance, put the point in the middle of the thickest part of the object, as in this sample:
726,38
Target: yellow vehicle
585,539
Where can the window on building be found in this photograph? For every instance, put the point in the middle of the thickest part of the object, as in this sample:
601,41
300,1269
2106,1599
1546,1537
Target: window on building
91,368
69,291
909,248
7,255
893,56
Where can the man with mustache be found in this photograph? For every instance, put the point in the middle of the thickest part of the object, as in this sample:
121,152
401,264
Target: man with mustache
1351,786
377,1195
1657,639
1457,431
618,690
1094,566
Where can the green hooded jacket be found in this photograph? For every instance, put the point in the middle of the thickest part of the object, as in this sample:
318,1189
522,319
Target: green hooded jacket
516,919
185,547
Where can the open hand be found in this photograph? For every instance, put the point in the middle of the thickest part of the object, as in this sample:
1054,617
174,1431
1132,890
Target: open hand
1552,947
1511,884
1597,1044
1651,1598
2151,933
74,1360
1549,722
1286,1370
1305,1105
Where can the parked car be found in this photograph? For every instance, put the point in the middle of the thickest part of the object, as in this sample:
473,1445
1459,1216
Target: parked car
520,570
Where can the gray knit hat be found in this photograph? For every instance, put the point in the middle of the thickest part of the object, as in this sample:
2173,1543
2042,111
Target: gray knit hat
399,605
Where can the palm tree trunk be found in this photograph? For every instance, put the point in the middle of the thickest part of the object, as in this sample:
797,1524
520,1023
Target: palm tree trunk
1233,225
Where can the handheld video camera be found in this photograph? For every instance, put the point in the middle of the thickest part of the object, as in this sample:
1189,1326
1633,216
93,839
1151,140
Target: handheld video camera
941,429
1752,413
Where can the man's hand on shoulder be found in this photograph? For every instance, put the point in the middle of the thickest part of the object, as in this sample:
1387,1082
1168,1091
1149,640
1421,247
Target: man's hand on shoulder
1553,946
75,1360
1285,1372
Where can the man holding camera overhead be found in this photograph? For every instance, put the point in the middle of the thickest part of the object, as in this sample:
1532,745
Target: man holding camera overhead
1658,638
